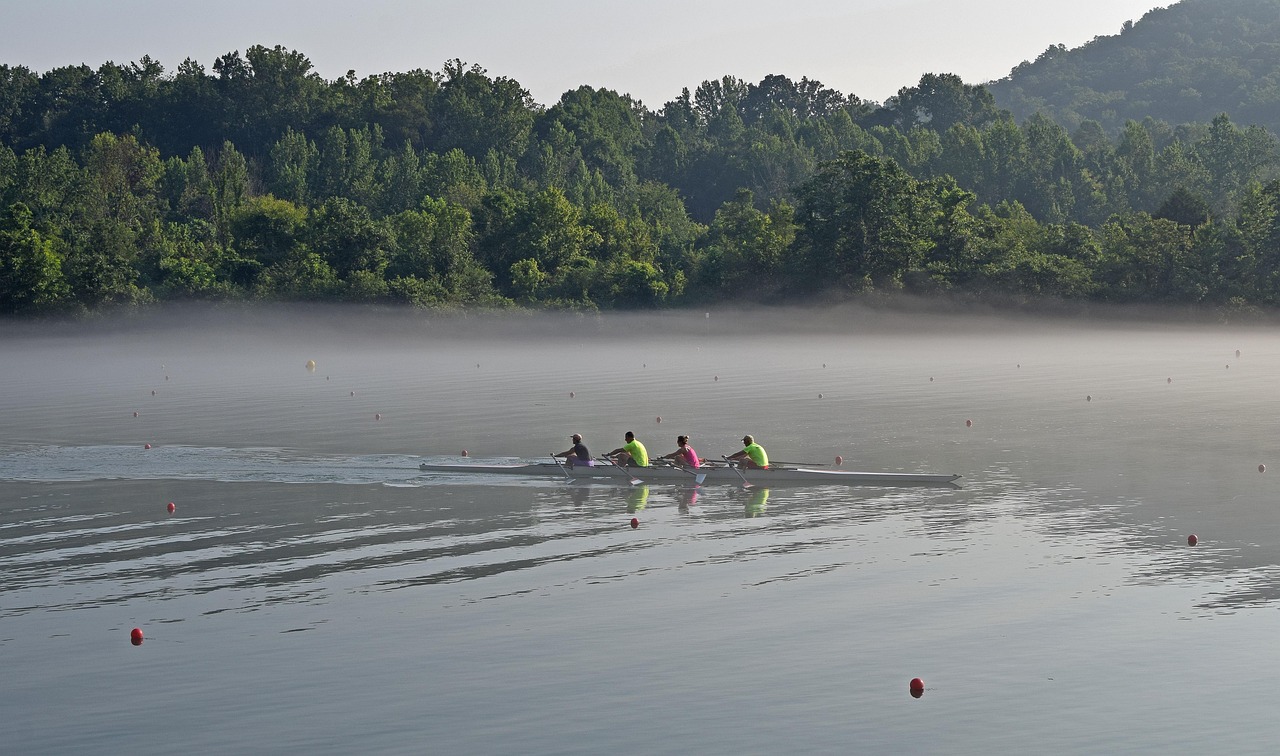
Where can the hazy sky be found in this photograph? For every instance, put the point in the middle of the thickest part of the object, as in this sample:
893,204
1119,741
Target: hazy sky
648,49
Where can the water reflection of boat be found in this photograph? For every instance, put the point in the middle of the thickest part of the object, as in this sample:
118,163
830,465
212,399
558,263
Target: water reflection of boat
778,474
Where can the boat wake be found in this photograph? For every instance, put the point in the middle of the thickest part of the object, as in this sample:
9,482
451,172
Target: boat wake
249,465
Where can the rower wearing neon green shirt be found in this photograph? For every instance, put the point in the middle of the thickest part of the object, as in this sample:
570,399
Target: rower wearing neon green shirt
752,455
632,453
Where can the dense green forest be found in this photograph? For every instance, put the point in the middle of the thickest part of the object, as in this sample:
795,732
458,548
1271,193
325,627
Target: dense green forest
258,179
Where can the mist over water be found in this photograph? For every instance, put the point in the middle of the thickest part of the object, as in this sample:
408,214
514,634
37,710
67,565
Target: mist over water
314,590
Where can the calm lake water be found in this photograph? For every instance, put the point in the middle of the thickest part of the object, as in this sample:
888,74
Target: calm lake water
313,592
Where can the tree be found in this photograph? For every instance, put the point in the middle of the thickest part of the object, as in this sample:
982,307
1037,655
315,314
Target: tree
230,188
605,127
31,277
476,113
860,223
940,101
346,237
289,166
746,248
1184,208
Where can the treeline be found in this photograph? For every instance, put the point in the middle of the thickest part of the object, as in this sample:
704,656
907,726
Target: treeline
127,184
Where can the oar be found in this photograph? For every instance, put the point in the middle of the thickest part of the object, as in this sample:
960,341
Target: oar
634,481
556,459
698,477
745,484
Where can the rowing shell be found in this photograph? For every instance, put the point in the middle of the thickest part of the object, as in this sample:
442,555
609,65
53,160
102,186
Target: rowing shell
714,474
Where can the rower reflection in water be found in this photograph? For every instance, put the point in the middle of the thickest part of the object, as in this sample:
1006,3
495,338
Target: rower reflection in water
688,499
758,503
637,499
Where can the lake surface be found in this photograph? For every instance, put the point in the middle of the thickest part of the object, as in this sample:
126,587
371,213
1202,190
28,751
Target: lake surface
314,592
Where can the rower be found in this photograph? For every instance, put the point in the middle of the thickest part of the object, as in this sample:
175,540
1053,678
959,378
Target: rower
632,453
684,456
752,455
577,455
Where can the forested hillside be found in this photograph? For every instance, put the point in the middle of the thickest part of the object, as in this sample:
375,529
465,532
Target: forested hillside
258,179
1185,63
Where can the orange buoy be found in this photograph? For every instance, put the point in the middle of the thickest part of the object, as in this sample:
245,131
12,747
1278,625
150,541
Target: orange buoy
917,687
819,396
635,522
1168,380
1192,540
839,460
717,378
171,507
135,636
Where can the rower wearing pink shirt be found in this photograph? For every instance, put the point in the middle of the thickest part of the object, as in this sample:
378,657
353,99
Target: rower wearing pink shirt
685,456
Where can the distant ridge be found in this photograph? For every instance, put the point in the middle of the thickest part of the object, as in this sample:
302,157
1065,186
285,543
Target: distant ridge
1184,63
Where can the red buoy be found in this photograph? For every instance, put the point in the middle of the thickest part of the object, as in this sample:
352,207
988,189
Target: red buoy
466,453
839,460
377,417
146,446
135,414
135,636
1088,398
968,423
917,687
570,394
635,523
1262,468
659,418
1192,540
171,507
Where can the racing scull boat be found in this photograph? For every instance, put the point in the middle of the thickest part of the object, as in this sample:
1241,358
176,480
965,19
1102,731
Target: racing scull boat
775,475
